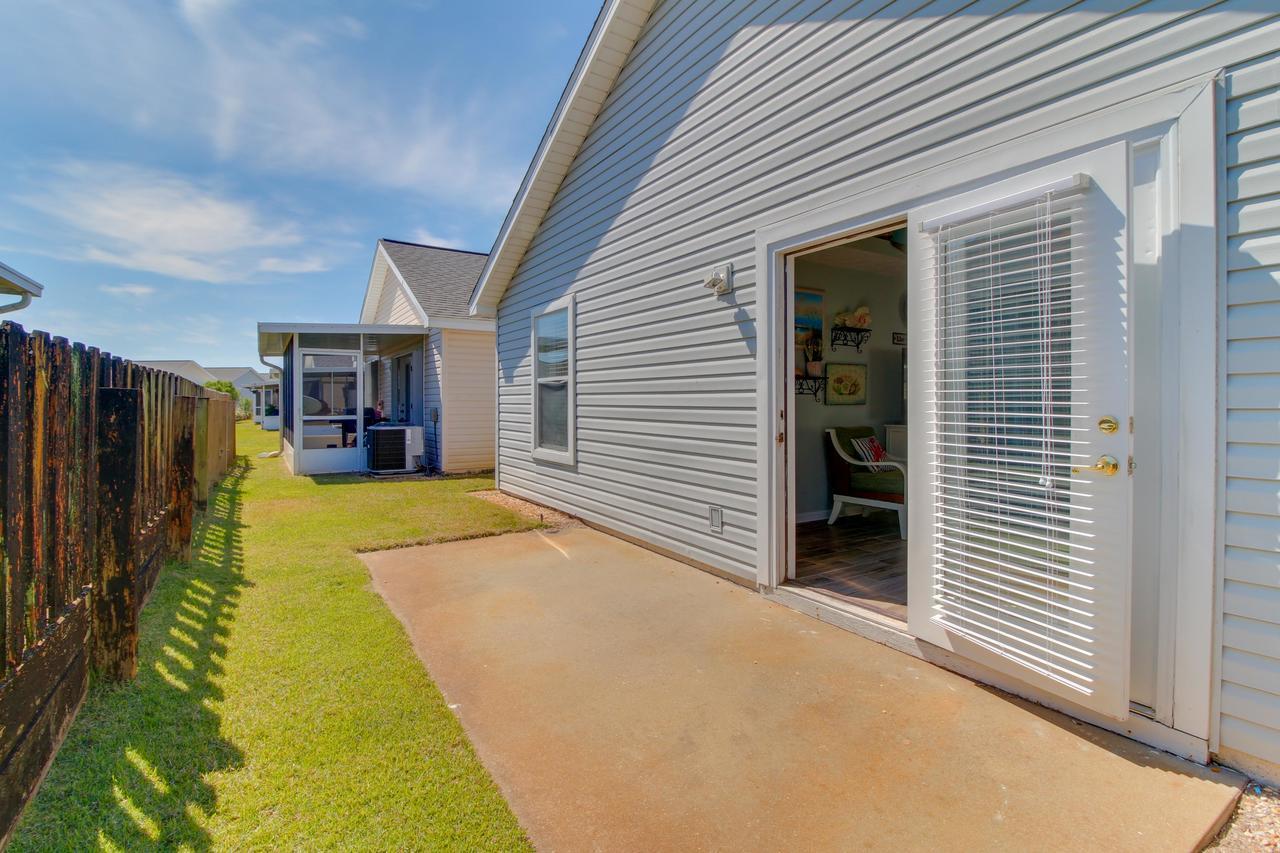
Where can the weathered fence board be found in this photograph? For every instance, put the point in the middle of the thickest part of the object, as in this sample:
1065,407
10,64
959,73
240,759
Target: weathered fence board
98,487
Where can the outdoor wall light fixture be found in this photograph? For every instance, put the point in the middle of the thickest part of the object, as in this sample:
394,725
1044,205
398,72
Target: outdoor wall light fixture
720,280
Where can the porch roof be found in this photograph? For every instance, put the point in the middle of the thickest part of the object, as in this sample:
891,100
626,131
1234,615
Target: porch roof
14,282
374,338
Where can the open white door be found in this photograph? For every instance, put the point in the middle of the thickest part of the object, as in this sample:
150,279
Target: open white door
1020,555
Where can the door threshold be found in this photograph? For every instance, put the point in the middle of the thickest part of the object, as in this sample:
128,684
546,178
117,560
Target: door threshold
829,607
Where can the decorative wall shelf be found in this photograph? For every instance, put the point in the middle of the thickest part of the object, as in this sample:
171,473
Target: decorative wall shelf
810,385
846,336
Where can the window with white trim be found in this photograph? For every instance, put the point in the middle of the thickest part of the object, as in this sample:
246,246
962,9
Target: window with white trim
553,375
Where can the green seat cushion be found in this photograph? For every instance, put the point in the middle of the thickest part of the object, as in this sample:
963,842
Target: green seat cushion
887,482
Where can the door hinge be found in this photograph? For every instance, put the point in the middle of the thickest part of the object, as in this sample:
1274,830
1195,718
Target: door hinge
781,437
1132,466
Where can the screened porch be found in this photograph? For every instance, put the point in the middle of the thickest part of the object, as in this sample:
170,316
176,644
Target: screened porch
341,382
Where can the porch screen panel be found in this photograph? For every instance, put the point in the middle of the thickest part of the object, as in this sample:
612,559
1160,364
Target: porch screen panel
1012,560
286,389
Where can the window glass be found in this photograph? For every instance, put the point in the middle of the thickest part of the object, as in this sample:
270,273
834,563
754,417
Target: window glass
553,415
553,344
328,385
551,372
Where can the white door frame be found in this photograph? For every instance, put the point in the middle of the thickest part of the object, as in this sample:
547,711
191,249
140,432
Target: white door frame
1188,113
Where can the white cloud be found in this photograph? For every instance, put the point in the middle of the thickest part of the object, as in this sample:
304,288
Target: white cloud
135,290
429,238
270,89
153,221
305,264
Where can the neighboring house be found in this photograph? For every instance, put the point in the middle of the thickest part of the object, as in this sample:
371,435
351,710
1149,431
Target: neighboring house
456,371
266,402
250,383
1069,217
185,368
14,283
242,378
415,360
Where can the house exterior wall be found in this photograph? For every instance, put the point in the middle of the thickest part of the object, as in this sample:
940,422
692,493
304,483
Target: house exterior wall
724,122
1250,635
394,305
467,400
721,123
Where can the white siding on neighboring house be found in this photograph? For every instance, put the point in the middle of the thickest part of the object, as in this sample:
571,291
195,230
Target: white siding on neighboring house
1250,663
468,401
728,118
433,432
394,305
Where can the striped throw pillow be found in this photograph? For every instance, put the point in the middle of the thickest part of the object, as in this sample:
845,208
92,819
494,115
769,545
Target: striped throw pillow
869,449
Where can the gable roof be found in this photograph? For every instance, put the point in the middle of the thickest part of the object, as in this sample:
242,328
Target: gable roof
184,367
236,374
616,30
439,280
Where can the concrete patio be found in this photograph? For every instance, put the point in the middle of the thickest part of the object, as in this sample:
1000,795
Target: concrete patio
623,700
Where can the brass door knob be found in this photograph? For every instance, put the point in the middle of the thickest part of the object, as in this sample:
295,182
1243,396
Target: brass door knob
1108,465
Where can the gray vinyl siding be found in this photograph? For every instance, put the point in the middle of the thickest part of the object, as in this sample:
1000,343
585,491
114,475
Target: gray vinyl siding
432,370
1250,664
725,119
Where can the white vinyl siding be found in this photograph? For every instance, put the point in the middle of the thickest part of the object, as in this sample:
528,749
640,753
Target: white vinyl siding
1250,663
466,393
726,119
394,305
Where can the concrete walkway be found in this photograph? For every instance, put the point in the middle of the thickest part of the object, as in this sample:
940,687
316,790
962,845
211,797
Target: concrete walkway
624,701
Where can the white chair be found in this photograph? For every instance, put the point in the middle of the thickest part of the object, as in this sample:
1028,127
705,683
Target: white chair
872,500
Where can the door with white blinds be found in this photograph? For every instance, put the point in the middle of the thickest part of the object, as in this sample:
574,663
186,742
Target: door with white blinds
1019,556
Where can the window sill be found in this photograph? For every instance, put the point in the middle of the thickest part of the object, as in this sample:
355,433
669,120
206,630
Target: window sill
556,457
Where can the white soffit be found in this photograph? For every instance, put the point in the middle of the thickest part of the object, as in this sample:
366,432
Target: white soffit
614,35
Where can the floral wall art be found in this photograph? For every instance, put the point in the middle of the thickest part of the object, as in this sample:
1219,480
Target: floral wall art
846,384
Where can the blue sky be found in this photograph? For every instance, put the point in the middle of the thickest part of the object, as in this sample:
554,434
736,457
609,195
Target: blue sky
174,171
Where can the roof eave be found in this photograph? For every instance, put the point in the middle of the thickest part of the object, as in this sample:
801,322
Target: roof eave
615,33
16,282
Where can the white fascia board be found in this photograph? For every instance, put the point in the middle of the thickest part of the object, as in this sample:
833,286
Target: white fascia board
340,328
470,324
19,282
615,33
373,290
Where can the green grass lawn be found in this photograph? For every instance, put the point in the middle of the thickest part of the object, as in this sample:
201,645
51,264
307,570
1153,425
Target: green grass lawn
278,703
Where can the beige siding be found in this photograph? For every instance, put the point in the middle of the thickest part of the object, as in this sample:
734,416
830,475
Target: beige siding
394,306
728,118
1250,664
467,393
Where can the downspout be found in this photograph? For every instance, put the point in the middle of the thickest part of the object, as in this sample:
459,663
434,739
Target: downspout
23,302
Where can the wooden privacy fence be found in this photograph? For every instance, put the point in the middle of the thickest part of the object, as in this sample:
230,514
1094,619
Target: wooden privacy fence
103,463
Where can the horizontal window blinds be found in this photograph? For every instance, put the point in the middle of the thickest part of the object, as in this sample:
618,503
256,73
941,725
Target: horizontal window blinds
1012,565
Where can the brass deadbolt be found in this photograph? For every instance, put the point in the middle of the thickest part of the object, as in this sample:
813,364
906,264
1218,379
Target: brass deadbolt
1108,424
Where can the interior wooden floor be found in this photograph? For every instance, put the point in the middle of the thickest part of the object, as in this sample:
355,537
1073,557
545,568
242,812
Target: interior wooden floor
859,559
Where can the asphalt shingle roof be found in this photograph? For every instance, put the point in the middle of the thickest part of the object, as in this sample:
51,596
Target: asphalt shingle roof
441,279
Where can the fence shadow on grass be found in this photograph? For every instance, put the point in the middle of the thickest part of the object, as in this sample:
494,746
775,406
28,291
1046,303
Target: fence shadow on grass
131,772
